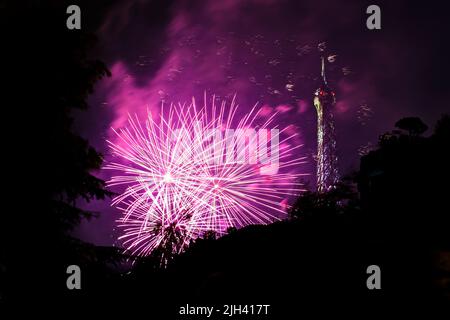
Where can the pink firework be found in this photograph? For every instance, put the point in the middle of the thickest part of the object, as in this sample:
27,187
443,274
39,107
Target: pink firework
189,171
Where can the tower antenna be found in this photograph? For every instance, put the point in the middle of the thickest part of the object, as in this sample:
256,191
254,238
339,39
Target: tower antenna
323,70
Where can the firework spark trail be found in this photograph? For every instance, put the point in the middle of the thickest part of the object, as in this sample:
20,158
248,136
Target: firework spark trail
182,182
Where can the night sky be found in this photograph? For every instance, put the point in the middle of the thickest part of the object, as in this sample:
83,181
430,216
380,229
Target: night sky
265,51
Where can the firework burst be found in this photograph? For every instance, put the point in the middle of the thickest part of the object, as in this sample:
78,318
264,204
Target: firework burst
189,171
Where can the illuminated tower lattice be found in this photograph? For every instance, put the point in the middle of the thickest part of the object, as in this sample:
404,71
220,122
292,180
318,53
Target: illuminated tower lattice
324,101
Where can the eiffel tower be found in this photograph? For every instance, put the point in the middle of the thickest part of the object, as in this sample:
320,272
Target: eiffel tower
327,169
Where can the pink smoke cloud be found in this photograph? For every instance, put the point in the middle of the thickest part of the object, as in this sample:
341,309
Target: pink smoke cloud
302,106
283,108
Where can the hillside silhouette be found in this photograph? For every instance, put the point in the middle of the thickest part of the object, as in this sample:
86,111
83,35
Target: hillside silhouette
392,213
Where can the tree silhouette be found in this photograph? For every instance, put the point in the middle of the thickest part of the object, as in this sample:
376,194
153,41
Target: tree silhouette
336,201
413,125
50,75
442,129
172,239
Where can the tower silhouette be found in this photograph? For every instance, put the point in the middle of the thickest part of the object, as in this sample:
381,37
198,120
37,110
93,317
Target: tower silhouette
324,101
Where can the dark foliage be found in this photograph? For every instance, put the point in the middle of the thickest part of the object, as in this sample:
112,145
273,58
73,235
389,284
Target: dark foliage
413,125
49,166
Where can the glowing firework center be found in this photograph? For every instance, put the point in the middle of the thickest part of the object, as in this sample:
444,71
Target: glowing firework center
191,172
